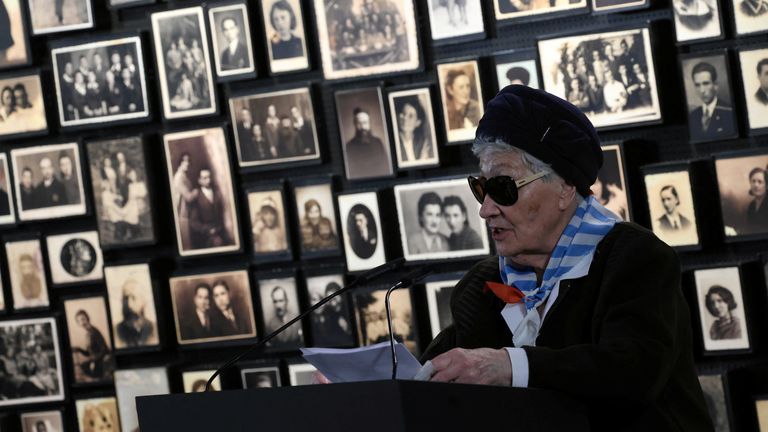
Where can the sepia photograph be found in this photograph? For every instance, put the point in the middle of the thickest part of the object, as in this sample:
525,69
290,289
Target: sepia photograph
439,303
371,315
41,421
48,181
413,123
7,210
609,76
301,374
317,219
722,313
285,35
231,36
364,134
96,414
274,127
120,192
754,72
517,68
671,206
22,111
260,377
131,383
269,224
455,20
183,63
14,37
707,83
132,306
75,258
204,207
761,408
29,288
697,20
741,181
31,360
196,380
439,219
462,98
93,359
100,82
53,16
713,387
331,324
280,304
361,228
750,16
366,37
512,9
609,6
610,187
212,307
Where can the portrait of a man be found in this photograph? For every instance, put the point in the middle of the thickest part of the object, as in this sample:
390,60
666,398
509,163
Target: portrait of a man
754,76
671,219
365,149
279,304
132,306
713,118
362,231
232,39
672,207
762,76
361,225
364,135
260,377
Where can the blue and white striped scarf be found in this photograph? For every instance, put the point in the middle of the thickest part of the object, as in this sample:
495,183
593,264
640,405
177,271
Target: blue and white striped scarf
587,227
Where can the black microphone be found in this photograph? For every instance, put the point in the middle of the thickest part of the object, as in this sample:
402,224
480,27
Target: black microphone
411,278
363,278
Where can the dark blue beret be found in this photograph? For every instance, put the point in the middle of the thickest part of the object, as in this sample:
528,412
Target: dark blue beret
549,128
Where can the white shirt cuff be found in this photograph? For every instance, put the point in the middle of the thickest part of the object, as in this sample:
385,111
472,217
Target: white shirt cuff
519,360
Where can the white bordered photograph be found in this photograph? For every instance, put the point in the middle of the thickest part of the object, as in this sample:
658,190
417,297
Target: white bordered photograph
455,20
750,16
270,233
697,20
50,420
285,35
516,9
260,377
331,325
231,37
439,219
371,316
194,381
672,208
22,110
90,344
722,313
413,126
741,181
609,76
131,383
7,210
100,82
14,38
132,307
517,68
53,16
29,288
462,97
361,228
279,299
610,186
318,227
75,257
96,414
754,73
439,303
709,97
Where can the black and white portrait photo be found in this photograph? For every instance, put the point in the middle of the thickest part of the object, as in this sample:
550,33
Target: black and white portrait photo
280,304
364,135
100,82
260,377
202,192
120,192
609,76
370,311
462,98
413,123
366,37
438,303
195,381
94,414
617,5
713,387
269,227
512,69
29,288
212,307
361,228
741,181
231,36
610,187
31,360
132,306
52,16
14,42
22,111
285,35
511,9
754,72
331,325
711,115
75,257
7,211
131,383
41,421
48,181
93,359
183,63
460,19
670,201
439,219
697,19
721,309
317,219
301,374
275,127
751,16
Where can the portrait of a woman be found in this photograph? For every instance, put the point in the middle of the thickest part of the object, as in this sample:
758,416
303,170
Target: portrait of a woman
413,130
757,211
463,111
284,41
721,304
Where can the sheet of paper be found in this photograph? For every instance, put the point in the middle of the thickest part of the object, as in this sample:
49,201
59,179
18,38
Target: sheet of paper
369,363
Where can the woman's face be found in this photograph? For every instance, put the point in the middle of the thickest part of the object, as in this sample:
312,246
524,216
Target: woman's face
720,306
757,184
7,98
460,89
282,20
79,78
314,215
408,119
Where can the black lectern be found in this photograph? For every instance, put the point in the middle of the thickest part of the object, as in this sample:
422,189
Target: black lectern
366,406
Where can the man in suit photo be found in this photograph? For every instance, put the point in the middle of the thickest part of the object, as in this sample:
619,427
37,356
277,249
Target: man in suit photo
198,325
762,76
235,53
362,234
50,191
365,152
206,215
713,119
672,220
226,319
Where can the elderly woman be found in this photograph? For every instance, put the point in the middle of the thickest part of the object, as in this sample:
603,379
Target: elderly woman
576,301
757,211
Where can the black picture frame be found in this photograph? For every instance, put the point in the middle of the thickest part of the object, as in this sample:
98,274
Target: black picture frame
35,98
476,12
756,102
270,368
737,227
313,243
261,193
438,289
96,368
269,285
249,67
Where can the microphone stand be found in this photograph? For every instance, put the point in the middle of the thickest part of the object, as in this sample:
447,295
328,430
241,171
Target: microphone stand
409,280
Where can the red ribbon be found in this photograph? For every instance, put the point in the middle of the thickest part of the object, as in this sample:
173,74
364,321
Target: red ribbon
507,294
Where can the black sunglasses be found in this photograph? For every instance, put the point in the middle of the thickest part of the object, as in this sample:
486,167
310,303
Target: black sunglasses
502,189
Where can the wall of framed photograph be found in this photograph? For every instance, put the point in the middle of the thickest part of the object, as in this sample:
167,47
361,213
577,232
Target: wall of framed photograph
192,176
